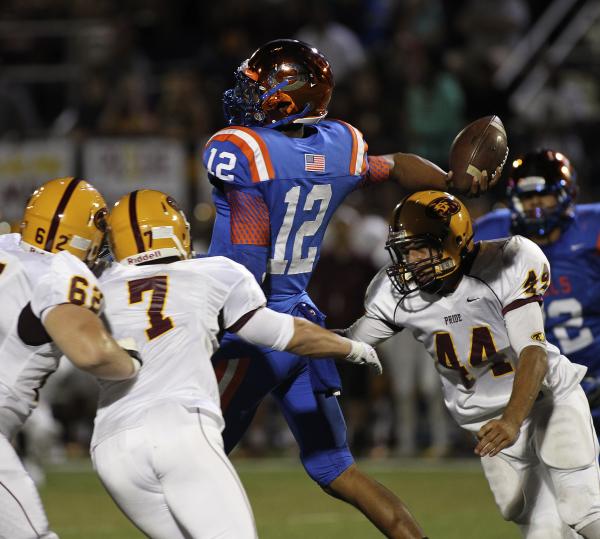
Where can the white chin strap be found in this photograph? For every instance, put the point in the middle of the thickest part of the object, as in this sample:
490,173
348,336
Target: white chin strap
158,233
310,119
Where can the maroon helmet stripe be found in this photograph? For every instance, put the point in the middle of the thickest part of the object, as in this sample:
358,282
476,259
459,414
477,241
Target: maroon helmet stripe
60,209
137,235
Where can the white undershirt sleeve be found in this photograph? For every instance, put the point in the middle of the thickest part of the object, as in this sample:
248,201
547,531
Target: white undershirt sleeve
371,330
268,328
525,327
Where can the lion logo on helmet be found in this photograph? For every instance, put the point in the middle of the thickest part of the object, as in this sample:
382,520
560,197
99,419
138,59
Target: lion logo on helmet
443,208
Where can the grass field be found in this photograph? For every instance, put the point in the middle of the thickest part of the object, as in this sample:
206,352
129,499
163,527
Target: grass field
451,500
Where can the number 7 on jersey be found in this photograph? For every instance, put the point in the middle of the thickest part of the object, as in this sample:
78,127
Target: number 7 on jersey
157,286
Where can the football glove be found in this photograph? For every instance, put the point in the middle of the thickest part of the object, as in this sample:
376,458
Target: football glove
364,354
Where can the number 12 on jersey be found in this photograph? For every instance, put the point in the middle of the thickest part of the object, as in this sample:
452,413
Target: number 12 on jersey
279,264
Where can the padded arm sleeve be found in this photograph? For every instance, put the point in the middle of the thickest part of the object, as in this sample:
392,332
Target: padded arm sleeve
268,328
525,327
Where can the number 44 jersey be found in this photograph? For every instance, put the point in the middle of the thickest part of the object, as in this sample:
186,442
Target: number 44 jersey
31,283
465,331
275,195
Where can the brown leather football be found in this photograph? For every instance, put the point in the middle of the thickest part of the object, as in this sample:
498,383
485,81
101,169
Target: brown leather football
482,145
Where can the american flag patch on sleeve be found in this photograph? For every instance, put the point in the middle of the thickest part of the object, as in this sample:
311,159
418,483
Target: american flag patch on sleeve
314,162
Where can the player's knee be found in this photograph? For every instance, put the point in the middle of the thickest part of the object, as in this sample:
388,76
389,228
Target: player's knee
342,486
567,440
578,504
324,467
506,487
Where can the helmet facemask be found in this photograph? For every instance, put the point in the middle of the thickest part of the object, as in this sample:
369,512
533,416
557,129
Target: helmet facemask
430,237
426,273
540,221
242,104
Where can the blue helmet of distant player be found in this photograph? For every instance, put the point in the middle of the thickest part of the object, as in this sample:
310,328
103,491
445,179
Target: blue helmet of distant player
541,172
285,81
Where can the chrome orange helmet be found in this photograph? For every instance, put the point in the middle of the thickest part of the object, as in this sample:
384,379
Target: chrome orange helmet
65,214
284,81
431,220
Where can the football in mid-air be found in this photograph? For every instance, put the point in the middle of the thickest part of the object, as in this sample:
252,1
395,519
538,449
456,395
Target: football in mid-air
481,145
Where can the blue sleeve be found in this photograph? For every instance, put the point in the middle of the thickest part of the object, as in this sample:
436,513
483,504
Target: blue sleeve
493,225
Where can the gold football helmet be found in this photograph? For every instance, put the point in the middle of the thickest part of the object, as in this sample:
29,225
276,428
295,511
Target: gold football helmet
148,225
65,214
439,227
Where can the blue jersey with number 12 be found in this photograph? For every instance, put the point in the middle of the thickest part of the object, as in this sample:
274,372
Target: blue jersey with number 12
274,196
572,302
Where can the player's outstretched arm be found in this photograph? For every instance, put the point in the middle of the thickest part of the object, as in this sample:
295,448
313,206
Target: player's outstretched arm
84,339
279,331
525,328
479,150
314,341
415,173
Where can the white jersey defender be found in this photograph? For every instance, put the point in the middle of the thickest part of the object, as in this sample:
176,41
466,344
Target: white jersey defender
32,282
157,442
465,331
192,297
476,309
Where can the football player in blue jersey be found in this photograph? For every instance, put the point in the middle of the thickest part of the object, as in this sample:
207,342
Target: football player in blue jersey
279,172
542,188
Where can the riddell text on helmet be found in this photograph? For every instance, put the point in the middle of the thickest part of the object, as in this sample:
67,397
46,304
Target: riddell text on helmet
144,257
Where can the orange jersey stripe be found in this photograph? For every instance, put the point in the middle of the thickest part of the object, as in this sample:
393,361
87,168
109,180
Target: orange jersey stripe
354,146
263,148
246,150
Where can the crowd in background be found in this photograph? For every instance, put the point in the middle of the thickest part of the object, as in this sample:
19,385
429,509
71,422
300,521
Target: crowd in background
409,74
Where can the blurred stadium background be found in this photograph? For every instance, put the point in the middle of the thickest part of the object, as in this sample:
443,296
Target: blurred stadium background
125,93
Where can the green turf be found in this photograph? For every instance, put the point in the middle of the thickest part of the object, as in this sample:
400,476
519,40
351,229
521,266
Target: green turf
451,500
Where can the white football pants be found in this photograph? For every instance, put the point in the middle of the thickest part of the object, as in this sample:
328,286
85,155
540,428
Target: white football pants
171,477
22,515
548,482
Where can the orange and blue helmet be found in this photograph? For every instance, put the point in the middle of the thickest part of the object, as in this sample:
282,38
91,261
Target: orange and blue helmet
285,81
